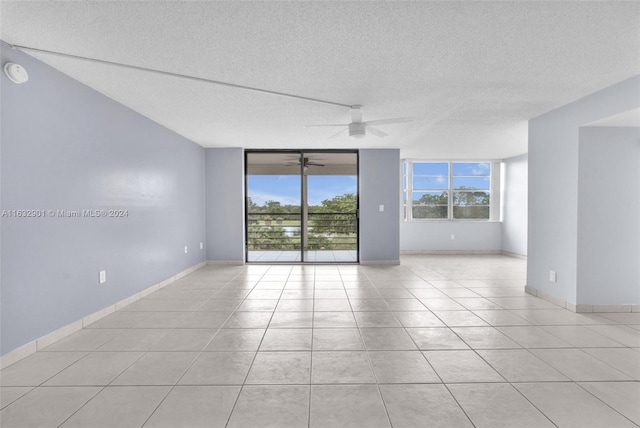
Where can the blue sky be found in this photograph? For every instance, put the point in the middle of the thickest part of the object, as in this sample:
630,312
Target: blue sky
435,175
286,188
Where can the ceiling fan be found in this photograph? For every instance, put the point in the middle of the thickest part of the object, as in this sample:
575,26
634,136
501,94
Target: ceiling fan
306,163
358,129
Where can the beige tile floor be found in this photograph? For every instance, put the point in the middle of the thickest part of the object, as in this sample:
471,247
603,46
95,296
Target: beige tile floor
440,341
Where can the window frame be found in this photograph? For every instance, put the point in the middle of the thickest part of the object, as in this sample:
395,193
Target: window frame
407,190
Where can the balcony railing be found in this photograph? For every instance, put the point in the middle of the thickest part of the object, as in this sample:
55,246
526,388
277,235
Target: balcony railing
325,231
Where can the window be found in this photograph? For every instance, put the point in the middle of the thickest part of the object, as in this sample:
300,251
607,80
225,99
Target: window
450,190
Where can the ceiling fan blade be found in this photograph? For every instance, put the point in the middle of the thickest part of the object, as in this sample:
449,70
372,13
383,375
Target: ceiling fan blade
333,124
356,113
390,121
337,134
376,131
315,164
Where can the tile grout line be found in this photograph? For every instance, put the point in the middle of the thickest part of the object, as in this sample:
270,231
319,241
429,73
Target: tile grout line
511,384
601,400
366,351
313,320
438,374
83,405
235,403
198,354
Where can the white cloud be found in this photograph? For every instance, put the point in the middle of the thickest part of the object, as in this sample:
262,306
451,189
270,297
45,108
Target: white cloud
261,197
481,169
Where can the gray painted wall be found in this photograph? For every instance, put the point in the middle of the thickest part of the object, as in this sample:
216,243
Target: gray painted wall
380,185
379,181
436,236
553,185
609,216
67,147
514,203
225,204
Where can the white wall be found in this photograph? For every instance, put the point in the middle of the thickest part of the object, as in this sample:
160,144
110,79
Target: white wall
67,147
436,236
224,178
379,185
469,236
514,203
609,216
553,185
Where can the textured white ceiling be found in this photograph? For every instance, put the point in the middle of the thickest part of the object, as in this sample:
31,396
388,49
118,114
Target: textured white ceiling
471,73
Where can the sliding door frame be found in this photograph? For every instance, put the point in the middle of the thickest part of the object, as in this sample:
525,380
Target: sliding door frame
303,203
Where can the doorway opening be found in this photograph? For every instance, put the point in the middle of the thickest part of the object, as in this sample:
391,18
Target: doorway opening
301,206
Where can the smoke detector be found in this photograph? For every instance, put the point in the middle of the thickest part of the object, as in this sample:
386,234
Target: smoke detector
16,73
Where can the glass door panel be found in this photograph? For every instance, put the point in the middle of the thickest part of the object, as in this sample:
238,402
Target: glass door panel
332,209
273,209
302,206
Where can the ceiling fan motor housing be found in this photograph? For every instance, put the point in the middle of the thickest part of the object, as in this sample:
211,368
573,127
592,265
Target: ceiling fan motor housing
357,129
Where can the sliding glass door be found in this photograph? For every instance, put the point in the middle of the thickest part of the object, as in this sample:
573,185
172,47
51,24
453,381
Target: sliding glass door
301,206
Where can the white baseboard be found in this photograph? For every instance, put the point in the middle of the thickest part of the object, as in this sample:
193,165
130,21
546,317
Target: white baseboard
580,307
607,308
18,354
186,272
90,319
58,334
379,262
515,255
462,253
549,298
226,262
449,252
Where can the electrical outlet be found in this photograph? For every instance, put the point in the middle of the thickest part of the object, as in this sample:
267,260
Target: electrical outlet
553,276
186,250
202,246
453,236
103,276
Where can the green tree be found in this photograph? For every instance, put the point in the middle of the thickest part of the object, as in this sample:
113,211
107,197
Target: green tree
470,198
471,204
270,238
336,215
317,241
252,207
332,224
274,207
431,205
432,200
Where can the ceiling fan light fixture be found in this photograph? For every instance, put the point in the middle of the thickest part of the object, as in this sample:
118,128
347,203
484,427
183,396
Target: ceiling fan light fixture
357,130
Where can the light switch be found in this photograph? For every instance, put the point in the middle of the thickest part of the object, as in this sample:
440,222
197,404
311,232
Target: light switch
381,208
